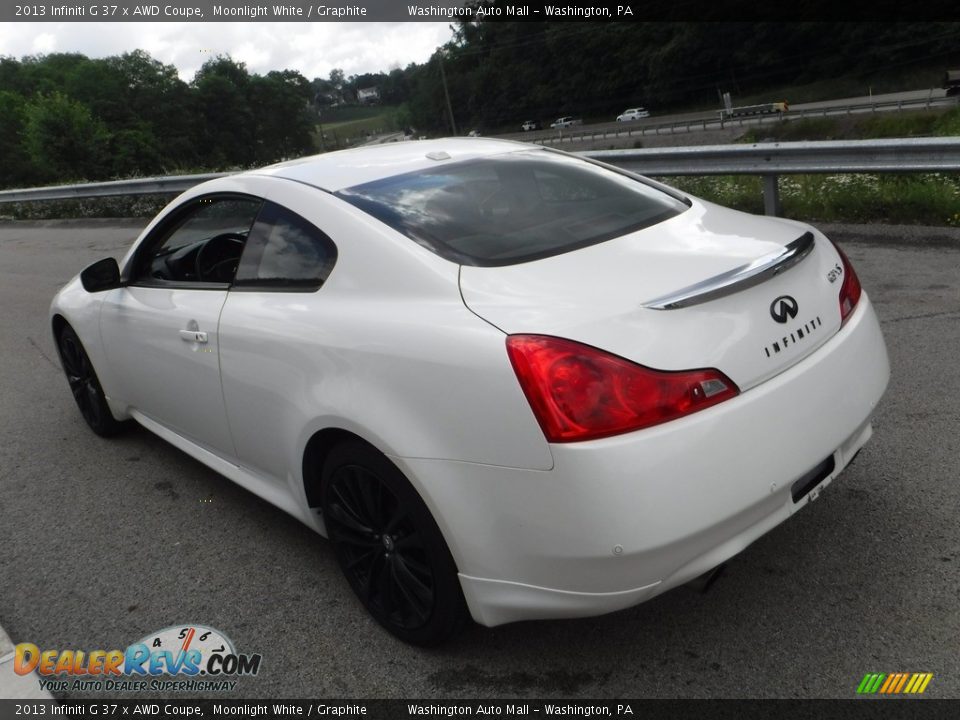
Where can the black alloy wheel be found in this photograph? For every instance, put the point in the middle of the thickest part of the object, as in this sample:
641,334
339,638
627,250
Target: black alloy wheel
84,385
389,547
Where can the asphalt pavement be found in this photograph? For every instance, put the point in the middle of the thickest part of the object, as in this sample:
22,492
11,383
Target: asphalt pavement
105,541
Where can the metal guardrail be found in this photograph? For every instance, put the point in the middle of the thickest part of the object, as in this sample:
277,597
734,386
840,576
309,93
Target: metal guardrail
115,188
769,160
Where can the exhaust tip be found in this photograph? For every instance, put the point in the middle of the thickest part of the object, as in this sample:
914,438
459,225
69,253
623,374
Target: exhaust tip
704,582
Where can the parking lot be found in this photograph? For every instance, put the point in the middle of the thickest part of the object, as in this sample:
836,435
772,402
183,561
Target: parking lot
105,541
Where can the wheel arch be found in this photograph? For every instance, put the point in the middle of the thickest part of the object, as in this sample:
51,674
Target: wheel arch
57,323
315,454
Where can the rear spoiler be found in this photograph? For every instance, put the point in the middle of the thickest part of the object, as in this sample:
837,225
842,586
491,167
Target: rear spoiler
738,279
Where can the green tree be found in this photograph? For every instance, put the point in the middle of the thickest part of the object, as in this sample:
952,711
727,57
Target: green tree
224,121
134,152
63,139
161,105
15,169
284,117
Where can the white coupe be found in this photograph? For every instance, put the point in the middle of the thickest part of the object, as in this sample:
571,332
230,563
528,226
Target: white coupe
633,114
506,382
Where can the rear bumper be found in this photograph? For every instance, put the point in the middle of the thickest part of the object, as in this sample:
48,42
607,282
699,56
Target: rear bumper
620,520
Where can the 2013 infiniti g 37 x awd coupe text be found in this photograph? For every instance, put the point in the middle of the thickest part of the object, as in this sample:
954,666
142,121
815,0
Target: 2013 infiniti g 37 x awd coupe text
506,382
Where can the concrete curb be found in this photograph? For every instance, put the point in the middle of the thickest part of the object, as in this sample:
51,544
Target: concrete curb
13,686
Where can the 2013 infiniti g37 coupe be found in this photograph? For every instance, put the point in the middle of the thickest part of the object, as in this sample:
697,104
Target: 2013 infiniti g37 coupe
506,382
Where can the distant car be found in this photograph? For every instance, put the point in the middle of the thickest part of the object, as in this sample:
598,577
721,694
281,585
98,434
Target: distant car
633,114
565,122
503,380
473,133
530,125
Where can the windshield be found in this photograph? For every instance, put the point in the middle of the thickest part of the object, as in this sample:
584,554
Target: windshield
513,208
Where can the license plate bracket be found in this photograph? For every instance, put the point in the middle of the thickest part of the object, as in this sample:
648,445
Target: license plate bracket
806,484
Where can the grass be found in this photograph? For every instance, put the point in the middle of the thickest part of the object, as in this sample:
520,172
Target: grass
133,206
347,125
914,123
911,199
915,198
852,86
926,73
352,113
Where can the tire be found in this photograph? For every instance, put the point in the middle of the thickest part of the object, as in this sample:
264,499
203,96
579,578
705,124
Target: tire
389,546
85,385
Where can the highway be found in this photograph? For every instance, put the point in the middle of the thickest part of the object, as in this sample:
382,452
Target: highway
105,541
708,120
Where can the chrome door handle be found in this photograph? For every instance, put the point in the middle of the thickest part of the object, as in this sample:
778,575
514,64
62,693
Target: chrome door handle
193,336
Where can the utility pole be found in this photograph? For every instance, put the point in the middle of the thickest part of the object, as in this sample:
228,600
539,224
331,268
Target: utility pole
323,148
446,93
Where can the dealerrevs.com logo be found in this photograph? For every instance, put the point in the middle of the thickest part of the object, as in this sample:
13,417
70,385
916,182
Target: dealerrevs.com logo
179,658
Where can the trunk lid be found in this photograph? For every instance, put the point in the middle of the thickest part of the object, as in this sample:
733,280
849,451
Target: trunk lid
607,295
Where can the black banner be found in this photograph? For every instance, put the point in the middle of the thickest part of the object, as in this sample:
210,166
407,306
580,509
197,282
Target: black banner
311,11
860,709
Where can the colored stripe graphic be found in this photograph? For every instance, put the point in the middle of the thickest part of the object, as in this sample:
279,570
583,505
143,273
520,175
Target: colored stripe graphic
871,683
894,683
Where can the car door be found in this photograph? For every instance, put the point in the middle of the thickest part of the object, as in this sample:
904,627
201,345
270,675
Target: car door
160,330
268,324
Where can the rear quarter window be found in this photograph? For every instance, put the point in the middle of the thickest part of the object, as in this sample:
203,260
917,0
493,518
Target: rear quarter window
285,252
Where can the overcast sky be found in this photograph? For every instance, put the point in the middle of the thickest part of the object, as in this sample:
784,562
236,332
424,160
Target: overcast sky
312,48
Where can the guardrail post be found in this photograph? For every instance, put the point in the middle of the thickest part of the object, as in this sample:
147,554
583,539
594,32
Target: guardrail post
771,195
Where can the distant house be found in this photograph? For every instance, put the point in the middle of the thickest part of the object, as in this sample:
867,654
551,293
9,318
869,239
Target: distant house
368,95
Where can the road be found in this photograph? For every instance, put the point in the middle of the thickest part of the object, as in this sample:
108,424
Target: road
102,542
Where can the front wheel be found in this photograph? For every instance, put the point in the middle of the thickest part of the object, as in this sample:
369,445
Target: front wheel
85,385
389,546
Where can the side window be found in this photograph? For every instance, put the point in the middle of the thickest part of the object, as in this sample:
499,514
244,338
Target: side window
285,252
202,243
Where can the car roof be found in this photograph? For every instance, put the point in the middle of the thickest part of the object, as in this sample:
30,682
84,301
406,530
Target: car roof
346,168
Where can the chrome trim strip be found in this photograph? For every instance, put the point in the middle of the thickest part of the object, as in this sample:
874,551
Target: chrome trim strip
738,279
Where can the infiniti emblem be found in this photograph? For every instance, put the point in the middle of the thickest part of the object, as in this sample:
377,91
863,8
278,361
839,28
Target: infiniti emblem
784,308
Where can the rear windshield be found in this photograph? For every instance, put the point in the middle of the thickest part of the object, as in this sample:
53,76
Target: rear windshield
514,207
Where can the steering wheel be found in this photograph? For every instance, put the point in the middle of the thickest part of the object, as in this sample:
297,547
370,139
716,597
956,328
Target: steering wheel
211,265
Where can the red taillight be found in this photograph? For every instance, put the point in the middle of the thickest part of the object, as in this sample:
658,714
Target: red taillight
849,289
580,393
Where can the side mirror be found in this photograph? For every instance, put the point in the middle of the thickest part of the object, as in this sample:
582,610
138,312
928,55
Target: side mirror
102,275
